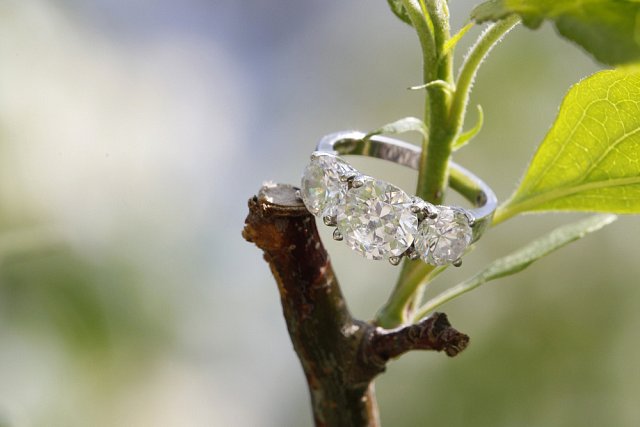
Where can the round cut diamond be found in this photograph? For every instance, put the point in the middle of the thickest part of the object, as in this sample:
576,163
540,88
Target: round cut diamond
321,187
376,219
444,239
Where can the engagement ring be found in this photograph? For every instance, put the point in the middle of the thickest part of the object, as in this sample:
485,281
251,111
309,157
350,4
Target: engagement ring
378,219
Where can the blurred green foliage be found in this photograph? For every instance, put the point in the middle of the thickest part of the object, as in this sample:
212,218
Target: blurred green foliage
541,364
93,309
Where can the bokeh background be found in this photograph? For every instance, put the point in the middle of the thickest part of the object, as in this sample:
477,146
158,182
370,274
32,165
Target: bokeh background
133,132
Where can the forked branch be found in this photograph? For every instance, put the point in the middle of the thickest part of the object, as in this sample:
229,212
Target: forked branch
340,355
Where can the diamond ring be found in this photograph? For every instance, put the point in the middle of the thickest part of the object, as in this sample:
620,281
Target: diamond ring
378,219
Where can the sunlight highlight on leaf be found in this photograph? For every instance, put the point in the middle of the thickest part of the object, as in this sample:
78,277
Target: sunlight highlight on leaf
406,124
590,159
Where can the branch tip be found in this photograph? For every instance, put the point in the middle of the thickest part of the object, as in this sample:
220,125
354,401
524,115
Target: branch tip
433,333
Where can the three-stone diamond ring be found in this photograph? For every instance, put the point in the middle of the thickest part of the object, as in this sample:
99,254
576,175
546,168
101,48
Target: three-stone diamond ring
379,220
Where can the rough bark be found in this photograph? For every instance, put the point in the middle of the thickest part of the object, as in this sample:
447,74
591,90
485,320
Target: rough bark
340,355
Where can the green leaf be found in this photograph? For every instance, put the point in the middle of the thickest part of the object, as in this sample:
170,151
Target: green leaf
490,10
608,29
435,84
467,136
400,11
450,44
590,159
522,258
407,124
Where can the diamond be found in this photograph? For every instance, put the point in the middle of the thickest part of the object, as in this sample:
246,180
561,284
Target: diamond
443,240
376,219
322,188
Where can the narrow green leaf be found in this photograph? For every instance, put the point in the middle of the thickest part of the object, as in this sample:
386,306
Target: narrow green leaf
467,136
590,159
608,29
522,258
407,124
435,83
490,10
495,10
450,44
400,11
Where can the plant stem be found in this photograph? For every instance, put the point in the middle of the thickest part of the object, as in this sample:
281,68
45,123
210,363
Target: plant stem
434,161
431,22
444,113
436,150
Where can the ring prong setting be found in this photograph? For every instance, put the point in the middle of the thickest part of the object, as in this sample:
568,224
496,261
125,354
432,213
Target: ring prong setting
412,253
348,177
432,212
356,182
330,221
395,260
471,218
423,209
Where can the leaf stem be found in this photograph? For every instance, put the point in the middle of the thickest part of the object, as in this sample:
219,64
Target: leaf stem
516,206
447,296
520,259
472,63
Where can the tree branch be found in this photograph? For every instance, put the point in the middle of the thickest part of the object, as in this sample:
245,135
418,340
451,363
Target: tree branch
340,355
434,333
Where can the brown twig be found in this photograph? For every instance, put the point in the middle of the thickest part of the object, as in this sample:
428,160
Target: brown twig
340,355
434,333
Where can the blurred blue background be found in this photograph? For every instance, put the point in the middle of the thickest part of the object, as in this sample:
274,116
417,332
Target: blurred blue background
133,132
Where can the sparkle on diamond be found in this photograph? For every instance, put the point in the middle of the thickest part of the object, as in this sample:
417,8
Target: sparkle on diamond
376,219
321,188
443,240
